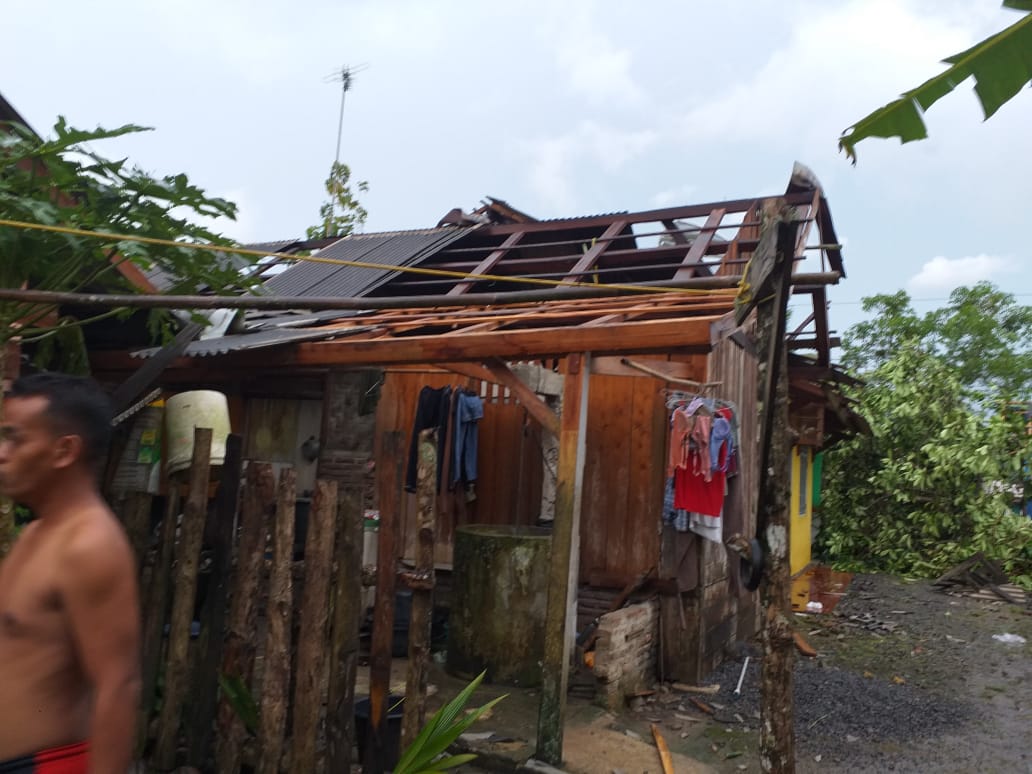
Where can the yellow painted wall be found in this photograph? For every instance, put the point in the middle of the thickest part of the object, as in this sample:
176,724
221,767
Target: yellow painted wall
801,508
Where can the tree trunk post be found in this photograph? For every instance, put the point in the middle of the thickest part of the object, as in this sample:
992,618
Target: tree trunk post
422,591
276,671
213,616
777,735
564,566
156,609
259,507
187,559
315,612
383,624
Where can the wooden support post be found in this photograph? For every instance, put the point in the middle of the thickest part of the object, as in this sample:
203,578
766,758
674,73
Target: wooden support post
383,622
276,666
563,570
187,559
344,645
259,505
156,609
423,596
777,735
213,616
315,613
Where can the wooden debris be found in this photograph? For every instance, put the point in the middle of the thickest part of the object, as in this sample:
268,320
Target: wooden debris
701,705
803,646
664,751
706,689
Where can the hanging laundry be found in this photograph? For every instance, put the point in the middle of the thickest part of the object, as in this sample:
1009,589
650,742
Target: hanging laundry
469,410
432,411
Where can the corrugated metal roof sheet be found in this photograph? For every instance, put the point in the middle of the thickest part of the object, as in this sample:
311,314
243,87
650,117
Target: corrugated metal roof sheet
391,250
163,280
273,337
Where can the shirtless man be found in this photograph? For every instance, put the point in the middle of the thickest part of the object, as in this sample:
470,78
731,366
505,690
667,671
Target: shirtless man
69,611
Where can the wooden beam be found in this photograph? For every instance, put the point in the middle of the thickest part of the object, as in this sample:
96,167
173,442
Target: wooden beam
414,714
587,260
487,265
515,345
824,341
613,366
702,242
526,396
560,618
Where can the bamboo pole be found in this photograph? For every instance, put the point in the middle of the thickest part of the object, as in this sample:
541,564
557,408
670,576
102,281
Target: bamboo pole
259,505
563,567
311,646
422,594
143,301
213,616
187,559
156,610
664,750
276,670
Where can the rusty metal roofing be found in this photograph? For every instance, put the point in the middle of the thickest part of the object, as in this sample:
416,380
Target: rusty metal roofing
162,280
269,337
390,250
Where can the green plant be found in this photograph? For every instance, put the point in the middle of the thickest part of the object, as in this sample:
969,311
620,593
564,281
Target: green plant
426,754
240,701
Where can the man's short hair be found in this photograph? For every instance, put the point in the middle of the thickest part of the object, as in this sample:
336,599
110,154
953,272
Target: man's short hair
76,405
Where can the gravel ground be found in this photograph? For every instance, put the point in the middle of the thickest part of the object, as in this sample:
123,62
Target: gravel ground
907,679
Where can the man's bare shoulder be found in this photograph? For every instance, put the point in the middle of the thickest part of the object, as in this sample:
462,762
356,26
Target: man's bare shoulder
95,549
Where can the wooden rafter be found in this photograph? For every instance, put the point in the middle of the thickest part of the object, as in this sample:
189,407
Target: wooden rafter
526,396
690,264
592,255
488,264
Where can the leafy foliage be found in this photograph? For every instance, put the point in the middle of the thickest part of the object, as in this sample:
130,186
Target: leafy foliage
927,488
1001,65
343,214
62,181
426,754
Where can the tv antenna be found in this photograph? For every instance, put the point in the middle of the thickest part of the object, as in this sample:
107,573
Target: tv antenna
346,75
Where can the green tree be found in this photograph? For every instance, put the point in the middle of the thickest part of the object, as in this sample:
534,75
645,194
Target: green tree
1001,65
982,333
930,484
62,181
343,214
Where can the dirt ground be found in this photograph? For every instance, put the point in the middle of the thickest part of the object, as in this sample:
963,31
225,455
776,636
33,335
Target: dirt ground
906,679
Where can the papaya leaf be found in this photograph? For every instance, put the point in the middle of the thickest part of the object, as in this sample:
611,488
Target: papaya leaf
1000,65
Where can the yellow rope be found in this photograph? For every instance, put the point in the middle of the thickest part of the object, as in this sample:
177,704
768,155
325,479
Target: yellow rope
356,264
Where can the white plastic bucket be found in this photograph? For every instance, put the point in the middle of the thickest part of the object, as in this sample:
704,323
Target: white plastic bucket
189,410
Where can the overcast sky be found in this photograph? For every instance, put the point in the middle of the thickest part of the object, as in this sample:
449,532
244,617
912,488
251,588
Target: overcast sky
560,108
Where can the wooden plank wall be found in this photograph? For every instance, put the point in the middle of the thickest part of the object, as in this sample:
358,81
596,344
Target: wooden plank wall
623,478
727,611
508,489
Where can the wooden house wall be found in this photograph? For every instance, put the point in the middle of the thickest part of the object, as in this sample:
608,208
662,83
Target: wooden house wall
508,488
623,477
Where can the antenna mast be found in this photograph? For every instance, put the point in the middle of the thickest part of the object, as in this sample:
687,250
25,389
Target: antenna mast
346,75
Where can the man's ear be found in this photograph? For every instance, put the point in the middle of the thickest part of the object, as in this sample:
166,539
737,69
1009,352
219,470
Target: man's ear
67,451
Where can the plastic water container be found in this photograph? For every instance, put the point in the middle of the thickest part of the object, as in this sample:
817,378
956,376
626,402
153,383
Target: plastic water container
187,411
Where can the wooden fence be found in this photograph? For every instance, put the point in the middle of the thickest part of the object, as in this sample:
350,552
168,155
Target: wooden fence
277,638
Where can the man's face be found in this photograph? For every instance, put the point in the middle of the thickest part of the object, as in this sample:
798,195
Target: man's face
30,451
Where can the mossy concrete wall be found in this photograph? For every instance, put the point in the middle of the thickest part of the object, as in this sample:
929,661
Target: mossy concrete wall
499,599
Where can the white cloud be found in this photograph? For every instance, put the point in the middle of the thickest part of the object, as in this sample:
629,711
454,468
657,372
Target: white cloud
592,64
945,274
554,160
